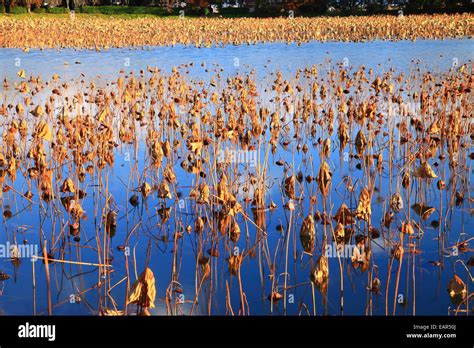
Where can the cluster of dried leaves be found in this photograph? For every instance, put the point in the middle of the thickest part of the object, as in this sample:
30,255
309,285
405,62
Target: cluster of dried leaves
101,32
183,124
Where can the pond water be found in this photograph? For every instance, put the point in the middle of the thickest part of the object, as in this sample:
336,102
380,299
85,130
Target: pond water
84,289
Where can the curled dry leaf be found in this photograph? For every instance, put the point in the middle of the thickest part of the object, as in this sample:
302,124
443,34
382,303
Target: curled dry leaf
375,285
143,291
320,271
407,228
344,215
108,312
423,210
275,296
457,290
222,189
396,202
202,194
424,171
307,234
68,186
343,135
111,223
234,263
364,210
43,131
324,178
199,225
340,233
289,186
406,180
398,252
37,111
360,142
145,189
4,276
164,190
234,234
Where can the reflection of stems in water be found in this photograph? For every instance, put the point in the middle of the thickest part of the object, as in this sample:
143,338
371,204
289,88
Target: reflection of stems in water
398,276
34,286
272,272
288,233
48,284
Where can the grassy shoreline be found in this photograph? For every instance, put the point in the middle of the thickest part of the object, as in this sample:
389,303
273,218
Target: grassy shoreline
146,11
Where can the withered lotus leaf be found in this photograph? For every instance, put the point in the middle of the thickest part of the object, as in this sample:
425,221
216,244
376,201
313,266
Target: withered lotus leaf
164,190
37,111
156,153
234,263
324,178
23,128
398,252
4,276
199,225
46,181
388,218
407,228
320,271
164,213
108,312
134,201
19,109
307,234
234,232
75,209
327,147
275,296
366,259
441,184
423,210
364,210
195,146
223,221
434,129
340,233
202,194
406,180
43,131
68,186
360,142
375,287
11,168
396,202
143,291
424,171
222,189
166,148
169,174
344,215
289,186
457,289
343,134
111,223
145,189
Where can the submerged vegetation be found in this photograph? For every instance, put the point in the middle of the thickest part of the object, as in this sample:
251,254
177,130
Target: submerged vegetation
91,32
345,156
